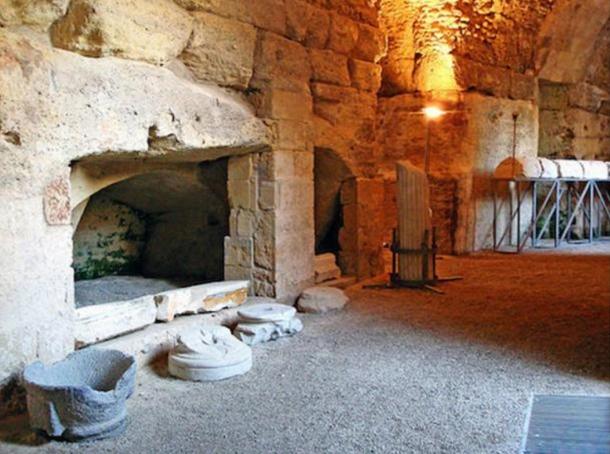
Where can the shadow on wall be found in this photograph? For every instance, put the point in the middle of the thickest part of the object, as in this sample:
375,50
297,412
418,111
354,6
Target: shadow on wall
166,223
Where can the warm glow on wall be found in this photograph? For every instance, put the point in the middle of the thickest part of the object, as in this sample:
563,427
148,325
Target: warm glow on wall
433,112
436,73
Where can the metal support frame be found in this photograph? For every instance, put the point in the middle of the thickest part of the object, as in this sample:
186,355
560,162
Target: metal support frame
589,198
428,254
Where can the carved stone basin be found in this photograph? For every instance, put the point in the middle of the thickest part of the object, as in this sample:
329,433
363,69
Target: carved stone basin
82,396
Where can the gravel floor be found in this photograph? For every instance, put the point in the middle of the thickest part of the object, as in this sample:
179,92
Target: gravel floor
397,371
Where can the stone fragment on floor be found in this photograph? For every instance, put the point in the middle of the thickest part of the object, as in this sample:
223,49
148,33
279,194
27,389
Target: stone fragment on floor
265,322
326,269
210,297
82,396
258,333
266,312
321,299
209,353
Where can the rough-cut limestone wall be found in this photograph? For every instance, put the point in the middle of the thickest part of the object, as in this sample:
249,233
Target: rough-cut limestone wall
573,122
444,45
37,13
568,38
109,239
57,106
575,113
465,148
573,65
310,68
598,72
477,60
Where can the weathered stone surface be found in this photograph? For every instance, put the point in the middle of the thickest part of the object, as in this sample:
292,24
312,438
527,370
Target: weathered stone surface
364,75
266,312
221,295
326,267
523,167
284,105
266,14
209,353
257,333
155,341
307,24
210,297
81,397
343,34
319,300
595,170
567,39
549,168
281,63
102,321
39,13
57,201
569,168
221,51
328,66
174,302
151,30
371,44
131,111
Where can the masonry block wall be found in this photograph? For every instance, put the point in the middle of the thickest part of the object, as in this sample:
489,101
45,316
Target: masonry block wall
481,62
113,83
264,83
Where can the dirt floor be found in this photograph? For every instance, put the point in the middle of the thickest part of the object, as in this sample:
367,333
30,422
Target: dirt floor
397,371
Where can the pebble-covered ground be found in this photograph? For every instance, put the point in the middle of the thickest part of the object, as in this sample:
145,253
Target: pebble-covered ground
404,371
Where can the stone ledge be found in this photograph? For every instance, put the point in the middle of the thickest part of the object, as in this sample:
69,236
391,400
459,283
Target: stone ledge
154,341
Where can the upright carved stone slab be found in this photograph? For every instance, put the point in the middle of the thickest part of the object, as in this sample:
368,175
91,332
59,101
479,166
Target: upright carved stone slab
414,219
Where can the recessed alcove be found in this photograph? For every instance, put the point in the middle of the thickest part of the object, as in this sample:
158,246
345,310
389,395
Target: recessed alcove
332,228
152,232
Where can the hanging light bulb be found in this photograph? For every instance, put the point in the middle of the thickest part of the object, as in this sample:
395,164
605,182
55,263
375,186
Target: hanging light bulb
433,112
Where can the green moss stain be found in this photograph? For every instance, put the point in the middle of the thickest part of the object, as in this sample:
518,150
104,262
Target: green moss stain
109,240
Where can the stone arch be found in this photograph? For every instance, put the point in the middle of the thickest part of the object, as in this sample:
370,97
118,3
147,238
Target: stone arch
567,39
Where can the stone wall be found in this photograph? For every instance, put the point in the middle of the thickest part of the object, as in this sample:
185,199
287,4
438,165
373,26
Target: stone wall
574,121
105,91
118,85
575,108
58,107
480,62
310,69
